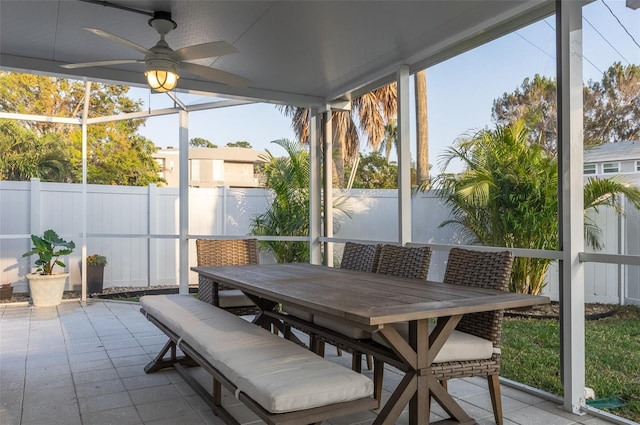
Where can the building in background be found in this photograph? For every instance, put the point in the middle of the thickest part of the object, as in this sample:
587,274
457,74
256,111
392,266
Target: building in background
613,158
213,167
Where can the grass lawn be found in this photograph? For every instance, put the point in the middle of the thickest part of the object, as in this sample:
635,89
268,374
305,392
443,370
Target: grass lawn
531,355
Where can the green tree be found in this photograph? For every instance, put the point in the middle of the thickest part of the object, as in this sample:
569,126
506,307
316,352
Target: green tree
25,155
240,144
611,108
288,214
535,103
199,142
507,196
116,154
374,172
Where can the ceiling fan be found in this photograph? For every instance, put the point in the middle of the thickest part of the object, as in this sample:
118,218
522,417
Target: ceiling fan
163,62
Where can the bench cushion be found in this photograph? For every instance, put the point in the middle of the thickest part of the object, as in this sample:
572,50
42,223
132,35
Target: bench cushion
459,347
276,373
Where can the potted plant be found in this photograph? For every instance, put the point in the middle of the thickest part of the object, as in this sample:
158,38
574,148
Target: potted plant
95,273
45,286
6,291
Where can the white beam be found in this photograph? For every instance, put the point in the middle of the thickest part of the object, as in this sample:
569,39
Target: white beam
570,150
40,118
404,157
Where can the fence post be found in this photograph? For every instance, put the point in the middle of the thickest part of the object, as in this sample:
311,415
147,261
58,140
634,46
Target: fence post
152,229
224,209
622,249
35,199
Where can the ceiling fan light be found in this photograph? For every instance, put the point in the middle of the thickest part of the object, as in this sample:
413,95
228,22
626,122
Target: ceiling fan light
161,80
161,75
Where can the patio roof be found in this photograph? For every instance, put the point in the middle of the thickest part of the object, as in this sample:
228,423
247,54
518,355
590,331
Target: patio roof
294,52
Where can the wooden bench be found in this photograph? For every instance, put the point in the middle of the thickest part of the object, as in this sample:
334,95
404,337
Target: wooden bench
281,382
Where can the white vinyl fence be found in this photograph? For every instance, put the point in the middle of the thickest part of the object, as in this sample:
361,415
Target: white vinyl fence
136,228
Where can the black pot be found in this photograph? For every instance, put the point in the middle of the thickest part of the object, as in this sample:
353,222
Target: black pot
6,293
95,279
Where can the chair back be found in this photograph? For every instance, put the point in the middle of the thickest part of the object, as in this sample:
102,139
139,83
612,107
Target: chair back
360,257
403,261
490,270
227,252
223,252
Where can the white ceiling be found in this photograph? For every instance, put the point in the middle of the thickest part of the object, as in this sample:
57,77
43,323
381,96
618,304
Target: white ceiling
295,52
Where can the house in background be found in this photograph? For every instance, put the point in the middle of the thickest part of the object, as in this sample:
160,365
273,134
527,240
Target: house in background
613,158
212,167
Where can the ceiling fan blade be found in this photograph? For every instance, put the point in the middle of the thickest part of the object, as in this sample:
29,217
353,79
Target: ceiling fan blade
215,75
205,50
101,63
118,39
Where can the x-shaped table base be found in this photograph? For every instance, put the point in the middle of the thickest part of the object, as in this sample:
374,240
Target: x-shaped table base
419,385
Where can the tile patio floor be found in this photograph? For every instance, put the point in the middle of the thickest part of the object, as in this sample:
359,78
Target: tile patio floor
72,365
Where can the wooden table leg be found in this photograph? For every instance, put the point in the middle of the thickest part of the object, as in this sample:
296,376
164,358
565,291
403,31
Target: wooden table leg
419,407
419,385
398,400
448,403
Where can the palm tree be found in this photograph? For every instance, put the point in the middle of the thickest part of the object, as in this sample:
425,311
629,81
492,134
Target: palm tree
422,128
390,140
288,214
372,111
507,196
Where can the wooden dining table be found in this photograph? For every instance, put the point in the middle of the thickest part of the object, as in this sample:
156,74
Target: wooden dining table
374,301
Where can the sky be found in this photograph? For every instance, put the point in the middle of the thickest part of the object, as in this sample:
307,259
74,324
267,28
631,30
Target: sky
460,91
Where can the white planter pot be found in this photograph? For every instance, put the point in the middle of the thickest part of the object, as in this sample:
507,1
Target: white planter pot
47,290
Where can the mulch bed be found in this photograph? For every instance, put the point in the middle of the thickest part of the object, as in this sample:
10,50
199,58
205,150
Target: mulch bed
552,311
108,293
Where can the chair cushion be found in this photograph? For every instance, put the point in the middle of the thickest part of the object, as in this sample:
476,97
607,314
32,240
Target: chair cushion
343,326
459,347
278,374
233,298
298,312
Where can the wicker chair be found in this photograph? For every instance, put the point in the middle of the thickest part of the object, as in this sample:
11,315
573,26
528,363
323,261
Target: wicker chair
490,270
226,252
404,261
401,261
360,257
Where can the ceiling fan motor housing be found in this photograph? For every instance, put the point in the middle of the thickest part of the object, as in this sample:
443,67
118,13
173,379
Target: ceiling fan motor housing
162,22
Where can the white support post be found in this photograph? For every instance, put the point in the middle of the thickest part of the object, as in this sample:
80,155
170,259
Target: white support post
183,248
404,157
570,150
315,186
328,186
83,251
